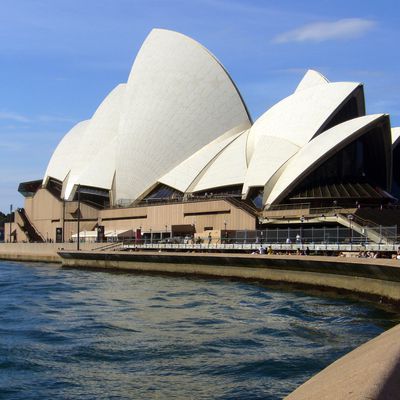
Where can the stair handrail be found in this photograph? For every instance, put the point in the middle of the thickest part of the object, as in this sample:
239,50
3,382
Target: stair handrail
25,218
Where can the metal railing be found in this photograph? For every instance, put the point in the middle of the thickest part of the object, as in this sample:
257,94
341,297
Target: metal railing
282,235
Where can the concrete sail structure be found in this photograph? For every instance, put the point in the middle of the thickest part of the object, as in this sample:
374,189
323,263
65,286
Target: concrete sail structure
310,79
179,127
67,153
396,161
100,133
269,156
178,99
325,146
88,149
227,169
184,175
303,115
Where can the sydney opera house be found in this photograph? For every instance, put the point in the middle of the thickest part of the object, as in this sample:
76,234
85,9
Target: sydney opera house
174,151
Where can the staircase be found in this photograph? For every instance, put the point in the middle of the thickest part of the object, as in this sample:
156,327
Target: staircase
374,232
30,231
243,206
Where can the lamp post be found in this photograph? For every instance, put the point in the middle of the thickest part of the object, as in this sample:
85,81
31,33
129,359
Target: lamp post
11,208
79,218
63,223
301,229
151,237
350,217
226,233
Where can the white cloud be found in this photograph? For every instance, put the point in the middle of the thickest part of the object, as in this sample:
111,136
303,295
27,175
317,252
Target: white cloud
54,118
320,31
12,116
17,117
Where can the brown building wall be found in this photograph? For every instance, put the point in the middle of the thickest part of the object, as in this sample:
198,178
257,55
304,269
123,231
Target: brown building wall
46,213
206,214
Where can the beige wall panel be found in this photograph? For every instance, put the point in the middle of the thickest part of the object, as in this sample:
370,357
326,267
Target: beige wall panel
123,212
205,206
28,205
71,228
125,224
21,237
159,216
47,216
87,212
173,214
45,206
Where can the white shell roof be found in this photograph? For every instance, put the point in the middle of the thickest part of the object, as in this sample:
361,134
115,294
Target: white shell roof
66,153
228,168
317,151
99,172
183,175
395,136
181,121
310,79
298,118
270,154
179,98
100,132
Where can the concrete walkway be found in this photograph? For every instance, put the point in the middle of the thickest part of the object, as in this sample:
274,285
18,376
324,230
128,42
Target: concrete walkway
372,371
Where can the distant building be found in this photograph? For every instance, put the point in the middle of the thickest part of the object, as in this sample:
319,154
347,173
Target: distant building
174,151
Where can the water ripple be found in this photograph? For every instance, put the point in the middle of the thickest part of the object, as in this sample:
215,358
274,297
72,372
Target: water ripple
71,334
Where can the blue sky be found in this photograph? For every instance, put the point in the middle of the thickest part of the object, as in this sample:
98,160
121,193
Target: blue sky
60,58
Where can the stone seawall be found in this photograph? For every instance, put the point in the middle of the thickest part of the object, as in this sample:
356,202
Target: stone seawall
376,277
39,252
371,371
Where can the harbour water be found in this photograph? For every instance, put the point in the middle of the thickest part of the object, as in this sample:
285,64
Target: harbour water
73,334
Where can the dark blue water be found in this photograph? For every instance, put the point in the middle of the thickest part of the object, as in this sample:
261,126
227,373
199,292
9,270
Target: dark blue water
70,334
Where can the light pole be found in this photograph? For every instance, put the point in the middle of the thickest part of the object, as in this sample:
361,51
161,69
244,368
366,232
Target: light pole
151,237
79,218
63,223
301,229
11,208
350,217
226,233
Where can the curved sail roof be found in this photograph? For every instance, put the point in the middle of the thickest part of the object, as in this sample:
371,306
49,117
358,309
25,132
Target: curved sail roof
228,168
180,121
299,117
270,154
395,136
178,99
184,174
99,134
68,151
310,79
318,150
